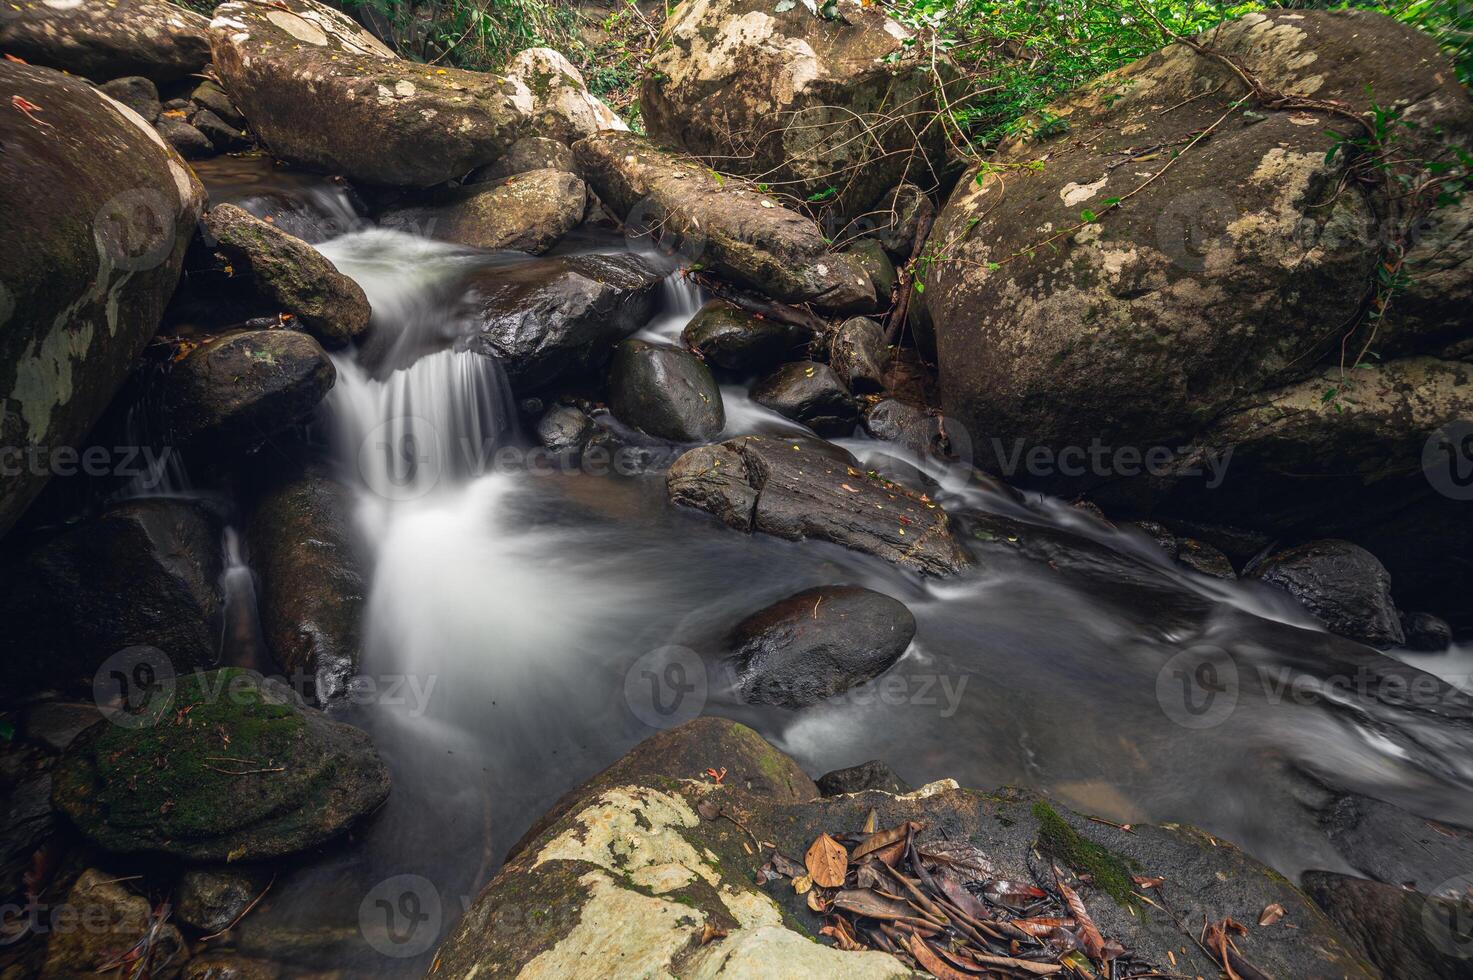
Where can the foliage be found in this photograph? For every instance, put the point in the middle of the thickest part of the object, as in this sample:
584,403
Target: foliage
476,34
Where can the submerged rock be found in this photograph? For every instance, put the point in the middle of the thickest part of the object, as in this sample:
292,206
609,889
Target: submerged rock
818,643
290,274
1340,584
108,920
734,340
665,391
528,212
156,39
229,768
727,224
798,488
106,211
812,393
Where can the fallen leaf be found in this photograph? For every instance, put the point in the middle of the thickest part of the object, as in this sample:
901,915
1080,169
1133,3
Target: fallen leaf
1146,882
827,862
1271,914
802,883
884,838
928,959
710,932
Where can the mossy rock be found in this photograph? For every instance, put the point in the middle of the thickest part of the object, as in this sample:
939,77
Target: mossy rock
231,768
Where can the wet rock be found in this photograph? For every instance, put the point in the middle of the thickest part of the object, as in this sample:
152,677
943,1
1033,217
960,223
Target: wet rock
1144,324
322,92
877,265
223,966
81,301
26,818
109,920
895,220
857,354
867,776
144,573
221,134
186,140
1426,632
812,393
562,108
836,108
526,154
211,899
1202,557
208,95
528,212
907,426
159,40
735,229
632,866
291,275
55,724
1340,584
239,389
818,643
734,340
137,93
1406,934
800,488
561,318
665,391
565,430
312,585
161,787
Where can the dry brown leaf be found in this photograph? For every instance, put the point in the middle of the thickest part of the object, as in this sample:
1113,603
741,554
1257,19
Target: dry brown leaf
802,883
1148,882
710,932
885,838
1089,934
927,958
1271,914
827,862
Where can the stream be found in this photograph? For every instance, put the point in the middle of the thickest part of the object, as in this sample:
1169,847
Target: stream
526,625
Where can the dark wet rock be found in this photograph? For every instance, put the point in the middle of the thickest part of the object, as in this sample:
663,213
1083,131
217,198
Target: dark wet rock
737,230
186,140
98,40
289,274
55,724
665,391
160,788
798,488
867,776
734,340
144,573
322,92
527,212
137,93
640,859
81,300
526,154
312,586
1340,584
871,255
1426,632
1406,934
561,106
565,429
239,389
211,899
818,643
895,219
836,109
916,430
812,393
208,95
224,966
221,134
561,318
857,354
111,920
26,818
1202,557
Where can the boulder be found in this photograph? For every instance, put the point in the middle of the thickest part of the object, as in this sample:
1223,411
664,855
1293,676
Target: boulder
528,153
858,356
208,95
561,317
312,586
835,108
528,212
1406,934
105,39
867,776
102,921
565,430
732,339
228,767
649,870
1232,264
562,108
728,225
222,135
1340,584
290,275
137,93
812,393
143,573
871,256
818,643
1426,632
895,220
322,92
211,899
798,488
237,390
188,141
665,391
106,210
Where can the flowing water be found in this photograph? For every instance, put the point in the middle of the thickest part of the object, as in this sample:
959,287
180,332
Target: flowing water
522,623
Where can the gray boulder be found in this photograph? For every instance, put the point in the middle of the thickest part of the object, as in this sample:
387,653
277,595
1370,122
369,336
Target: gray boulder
527,212
528,153
735,340
188,141
857,354
101,40
665,391
812,393
137,93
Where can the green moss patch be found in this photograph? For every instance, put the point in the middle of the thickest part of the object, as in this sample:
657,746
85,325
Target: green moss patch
1107,870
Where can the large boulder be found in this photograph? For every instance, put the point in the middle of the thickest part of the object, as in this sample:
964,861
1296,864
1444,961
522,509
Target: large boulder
290,275
838,107
106,211
323,92
798,488
732,339
527,212
561,317
105,39
726,224
1342,585
562,108
1148,275
665,391
1406,934
812,393
223,767
649,869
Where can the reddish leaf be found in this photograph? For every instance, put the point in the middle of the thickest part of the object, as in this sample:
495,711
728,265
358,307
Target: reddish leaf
827,862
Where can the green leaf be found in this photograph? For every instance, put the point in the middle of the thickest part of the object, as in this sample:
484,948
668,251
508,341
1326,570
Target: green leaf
1088,215
920,286
823,195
